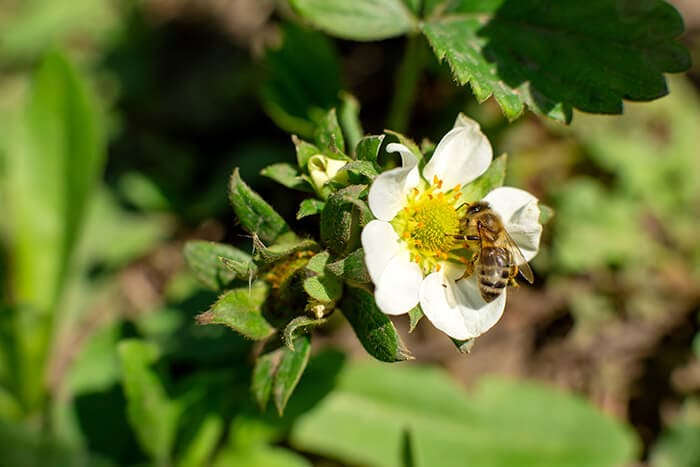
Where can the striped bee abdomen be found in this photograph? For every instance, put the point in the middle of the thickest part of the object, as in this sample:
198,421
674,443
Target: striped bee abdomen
494,272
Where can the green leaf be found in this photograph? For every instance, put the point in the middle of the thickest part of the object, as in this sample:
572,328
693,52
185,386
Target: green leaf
264,375
372,327
240,309
362,20
297,326
321,286
492,178
329,135
152,414
215,265
554,57
310,207
415,314
304,151
254,214
349,117
285,174
54,160
368,148
342,219
291,367
501,423
352,268
303,80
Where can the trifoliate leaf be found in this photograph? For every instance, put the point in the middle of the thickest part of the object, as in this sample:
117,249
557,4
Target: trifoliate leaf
291,367
299,326
372,327
285,174
554,56
368,148
362,20
205,260
309,207
352,268
240,309
254,214
321,286
492,178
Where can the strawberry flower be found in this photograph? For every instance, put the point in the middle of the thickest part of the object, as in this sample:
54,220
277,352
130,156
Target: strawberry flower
412,249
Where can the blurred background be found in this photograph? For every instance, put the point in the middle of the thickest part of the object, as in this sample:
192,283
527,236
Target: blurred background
120,123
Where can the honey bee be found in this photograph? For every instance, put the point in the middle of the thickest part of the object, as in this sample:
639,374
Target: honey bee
497,259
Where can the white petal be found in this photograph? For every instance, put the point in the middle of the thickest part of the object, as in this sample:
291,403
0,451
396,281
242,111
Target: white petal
388,192
462,155
521,216
456,308
397,290
381,243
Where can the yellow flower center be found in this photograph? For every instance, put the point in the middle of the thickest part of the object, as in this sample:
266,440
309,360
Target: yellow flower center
429,223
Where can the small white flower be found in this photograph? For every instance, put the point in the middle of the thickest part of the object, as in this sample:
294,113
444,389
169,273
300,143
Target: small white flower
323,169
412,248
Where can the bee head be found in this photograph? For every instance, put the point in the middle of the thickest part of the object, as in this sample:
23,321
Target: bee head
477,207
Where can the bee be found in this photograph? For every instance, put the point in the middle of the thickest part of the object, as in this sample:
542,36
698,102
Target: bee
497,259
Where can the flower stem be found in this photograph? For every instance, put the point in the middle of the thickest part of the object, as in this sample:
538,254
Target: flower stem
406,84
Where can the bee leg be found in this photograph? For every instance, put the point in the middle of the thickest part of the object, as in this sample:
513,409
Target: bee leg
468,271
513,274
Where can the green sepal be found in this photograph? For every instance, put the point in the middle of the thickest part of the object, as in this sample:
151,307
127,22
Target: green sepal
304,151
299,326
493,178
287,175
360,171
465,346
241,310
273,253
205,260
329,135
264,375
373,328
352,268
342,219
368,148
349,117
320,286
546,213
415,314
254,214
310,207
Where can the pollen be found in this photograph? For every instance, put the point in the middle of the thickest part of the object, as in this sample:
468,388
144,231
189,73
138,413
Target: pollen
429,225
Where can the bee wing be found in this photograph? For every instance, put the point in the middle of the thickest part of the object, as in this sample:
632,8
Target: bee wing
518,259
